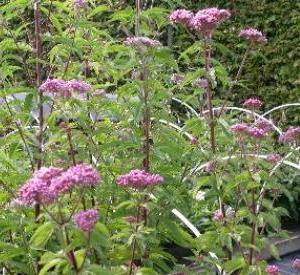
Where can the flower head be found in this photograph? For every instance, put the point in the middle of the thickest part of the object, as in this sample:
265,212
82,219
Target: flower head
139,179
84,175
194,140
79,86
256,133
290,136
218,215
181,17
206,20
264,124
296,264
86,220
37,189
239,129
80,4
141,43
56,87
273,158
211,166
252,103
272,270
62,184
253,35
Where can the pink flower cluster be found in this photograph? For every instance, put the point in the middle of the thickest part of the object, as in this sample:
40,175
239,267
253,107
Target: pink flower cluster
141,43
272,270
256,133
218,215
64,88
273,158
253,35
290,136
80,4
181,16
250,131
239,129
296,264
139,179
264,124
206,20
86,220
252,103
49,182
37,189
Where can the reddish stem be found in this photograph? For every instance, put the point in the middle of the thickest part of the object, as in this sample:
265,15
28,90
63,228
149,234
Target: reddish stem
38,70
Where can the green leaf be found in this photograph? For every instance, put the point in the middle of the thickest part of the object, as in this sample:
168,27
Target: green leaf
234,264
42,235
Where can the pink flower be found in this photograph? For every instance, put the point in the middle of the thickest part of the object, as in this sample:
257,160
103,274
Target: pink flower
211,166
79,86
181,17
62,184
80,4
240,128
84,175
296,264
272,270
37,189
274,158
256,133
86,220
56,87
291,135
264,124
194,141
206,20
253,35
139,179
252,103
218,215
141,43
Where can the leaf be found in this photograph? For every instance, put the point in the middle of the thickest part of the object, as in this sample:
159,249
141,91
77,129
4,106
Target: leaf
234,264
50,265
42,235
98,10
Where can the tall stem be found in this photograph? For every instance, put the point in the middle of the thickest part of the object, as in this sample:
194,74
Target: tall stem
71,254
207,52
253,229
38,72
134,243
138,6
